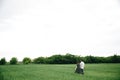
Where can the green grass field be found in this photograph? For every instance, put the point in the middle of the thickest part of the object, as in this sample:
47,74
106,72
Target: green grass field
59,72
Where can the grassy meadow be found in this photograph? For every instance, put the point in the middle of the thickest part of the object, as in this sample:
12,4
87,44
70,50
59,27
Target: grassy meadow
59,72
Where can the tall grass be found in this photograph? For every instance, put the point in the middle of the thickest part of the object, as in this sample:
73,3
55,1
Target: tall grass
59,72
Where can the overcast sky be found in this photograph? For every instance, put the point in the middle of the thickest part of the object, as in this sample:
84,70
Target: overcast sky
33,28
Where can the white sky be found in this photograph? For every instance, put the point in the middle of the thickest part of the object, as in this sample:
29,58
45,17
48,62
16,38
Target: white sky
33,28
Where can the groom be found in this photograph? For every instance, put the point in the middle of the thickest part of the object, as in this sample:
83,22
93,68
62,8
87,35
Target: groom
82,65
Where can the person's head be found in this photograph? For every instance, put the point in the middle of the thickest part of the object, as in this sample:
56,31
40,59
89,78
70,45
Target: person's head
77,62
81,60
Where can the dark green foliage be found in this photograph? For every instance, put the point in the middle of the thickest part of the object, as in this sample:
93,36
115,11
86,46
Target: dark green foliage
110,59
57,59
13,60
66,59
72,59
115,59
26,60
39,60
91,59
2,61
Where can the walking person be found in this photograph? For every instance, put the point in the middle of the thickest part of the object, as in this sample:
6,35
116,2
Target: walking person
82,65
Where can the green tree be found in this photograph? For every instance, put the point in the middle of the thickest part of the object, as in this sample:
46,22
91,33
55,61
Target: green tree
3,61
26,60
13,60
39,60
56,59
70,59
90,59
115,59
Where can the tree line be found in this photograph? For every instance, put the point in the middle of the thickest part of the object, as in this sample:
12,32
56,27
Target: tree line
64,59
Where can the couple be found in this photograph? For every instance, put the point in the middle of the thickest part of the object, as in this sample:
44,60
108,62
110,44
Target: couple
80,67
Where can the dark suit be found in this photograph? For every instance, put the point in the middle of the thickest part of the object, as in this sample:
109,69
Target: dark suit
78,70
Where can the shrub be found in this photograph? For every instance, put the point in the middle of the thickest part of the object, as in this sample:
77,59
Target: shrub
13,60
26,60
